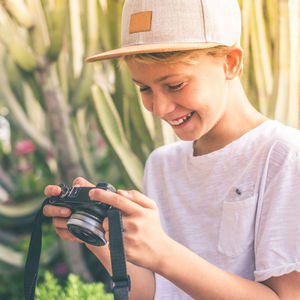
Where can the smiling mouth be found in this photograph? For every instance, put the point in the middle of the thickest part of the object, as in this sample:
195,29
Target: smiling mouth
181,121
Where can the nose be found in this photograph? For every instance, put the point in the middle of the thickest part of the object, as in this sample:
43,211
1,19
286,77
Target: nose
162,104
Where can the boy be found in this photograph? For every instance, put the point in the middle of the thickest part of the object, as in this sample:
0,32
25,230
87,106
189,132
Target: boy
220,219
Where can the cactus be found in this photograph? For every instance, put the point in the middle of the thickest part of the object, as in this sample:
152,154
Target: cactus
272,66
51,96
14,42
55,99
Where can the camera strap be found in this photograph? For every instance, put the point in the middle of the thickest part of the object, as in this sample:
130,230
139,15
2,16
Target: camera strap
33,256
121,281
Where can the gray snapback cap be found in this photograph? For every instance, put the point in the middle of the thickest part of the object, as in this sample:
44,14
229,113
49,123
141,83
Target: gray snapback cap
151,26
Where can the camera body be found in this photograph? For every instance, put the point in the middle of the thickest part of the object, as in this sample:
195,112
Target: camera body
87,215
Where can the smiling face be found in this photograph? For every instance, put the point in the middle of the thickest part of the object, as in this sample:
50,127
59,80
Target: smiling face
192,98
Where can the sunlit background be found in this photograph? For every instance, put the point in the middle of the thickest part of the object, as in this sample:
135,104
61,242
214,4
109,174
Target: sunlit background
61,118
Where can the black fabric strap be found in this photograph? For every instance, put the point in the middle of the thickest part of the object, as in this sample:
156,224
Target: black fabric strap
33,256
121,281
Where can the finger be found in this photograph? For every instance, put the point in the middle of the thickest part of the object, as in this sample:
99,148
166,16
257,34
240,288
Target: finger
56,211
105,227
60,223
61,228
105,224
80,181
67,236
106,236
125,205
52,190
137,198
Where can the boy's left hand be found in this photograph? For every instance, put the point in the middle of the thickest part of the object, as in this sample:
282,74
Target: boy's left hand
144,238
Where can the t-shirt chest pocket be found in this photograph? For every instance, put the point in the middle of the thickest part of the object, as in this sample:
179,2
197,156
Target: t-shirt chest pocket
236,231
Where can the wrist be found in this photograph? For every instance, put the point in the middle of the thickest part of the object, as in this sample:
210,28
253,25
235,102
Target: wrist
164,255
103,255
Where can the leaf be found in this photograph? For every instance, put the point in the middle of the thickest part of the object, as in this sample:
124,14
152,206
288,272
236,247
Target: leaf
261,55
20,12
57,19
76,37
11,257
109,119
12,38
19,213
20,116
40,40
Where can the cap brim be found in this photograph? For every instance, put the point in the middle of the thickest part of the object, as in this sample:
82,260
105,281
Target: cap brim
154,48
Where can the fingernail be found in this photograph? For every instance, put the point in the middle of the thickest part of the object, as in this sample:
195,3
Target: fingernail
76,185
92,193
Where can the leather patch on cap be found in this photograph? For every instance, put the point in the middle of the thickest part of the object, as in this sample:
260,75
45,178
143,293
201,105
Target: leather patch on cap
140,22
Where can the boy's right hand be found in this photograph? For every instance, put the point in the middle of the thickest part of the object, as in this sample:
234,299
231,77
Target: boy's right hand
61,215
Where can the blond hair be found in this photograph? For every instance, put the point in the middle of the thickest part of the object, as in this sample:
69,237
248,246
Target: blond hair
188,56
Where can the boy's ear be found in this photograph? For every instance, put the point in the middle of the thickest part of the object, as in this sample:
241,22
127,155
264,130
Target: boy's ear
233,66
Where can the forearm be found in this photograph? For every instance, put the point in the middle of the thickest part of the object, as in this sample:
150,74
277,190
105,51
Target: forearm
202,280
103,255
142,283
142,280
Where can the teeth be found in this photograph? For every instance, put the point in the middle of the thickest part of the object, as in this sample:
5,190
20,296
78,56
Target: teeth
182,120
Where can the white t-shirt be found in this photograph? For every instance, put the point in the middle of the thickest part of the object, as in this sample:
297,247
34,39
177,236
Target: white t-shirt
238,207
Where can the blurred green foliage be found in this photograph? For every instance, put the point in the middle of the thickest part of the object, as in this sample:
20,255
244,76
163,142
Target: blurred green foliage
74,288
87,119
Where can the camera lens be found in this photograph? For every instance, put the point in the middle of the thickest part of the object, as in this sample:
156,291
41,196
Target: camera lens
87,228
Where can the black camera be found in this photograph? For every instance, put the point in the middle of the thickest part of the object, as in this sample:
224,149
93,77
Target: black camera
86,224
87,215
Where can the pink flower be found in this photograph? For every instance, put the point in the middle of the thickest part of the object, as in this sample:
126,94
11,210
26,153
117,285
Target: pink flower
24,147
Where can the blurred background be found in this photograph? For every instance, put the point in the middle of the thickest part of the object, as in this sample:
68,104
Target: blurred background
61,118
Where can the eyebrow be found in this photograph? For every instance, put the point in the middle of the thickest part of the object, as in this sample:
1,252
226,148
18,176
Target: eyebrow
159,79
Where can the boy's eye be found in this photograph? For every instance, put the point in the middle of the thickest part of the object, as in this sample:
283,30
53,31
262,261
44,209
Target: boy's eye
176,86
144,89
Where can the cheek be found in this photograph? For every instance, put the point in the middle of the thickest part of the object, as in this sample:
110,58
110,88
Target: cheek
207,99
195,98
210,90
